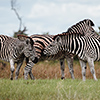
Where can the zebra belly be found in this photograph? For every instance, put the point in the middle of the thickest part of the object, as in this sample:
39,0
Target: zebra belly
58,56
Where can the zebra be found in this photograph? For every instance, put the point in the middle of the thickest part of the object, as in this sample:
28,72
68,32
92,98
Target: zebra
85,46
14,50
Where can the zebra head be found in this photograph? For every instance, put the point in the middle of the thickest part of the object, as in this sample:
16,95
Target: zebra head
54,47
83,27
27,48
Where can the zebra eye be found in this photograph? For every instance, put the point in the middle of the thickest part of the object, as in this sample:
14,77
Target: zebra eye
50,45
27,42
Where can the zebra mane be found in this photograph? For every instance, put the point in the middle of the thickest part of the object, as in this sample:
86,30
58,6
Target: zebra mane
64,34
77,27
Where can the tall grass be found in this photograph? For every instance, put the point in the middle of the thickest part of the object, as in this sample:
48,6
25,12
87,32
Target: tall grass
51,70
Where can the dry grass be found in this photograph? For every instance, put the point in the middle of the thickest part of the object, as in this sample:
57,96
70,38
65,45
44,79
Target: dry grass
50,70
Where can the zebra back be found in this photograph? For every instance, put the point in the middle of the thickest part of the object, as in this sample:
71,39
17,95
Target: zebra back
82,27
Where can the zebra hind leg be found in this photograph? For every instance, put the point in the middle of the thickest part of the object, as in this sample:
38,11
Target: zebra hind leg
62,67
31,75
70,65
83,66
91,65
11,68
19,64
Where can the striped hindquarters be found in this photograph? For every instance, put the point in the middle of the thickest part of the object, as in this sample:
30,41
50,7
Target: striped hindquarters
41,41
4,51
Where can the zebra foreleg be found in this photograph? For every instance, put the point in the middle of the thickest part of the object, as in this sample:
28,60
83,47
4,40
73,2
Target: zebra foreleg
11,68
91,65
70,65
19,64
27,71
62,66
83,66
31,75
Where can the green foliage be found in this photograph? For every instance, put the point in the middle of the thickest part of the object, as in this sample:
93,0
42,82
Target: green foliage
16,33
46,33
49,89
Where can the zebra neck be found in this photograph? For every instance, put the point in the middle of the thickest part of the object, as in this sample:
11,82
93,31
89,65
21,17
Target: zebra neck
71,43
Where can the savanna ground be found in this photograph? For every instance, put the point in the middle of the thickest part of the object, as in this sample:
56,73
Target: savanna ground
48,85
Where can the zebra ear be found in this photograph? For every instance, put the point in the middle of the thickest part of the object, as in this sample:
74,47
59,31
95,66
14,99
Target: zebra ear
25,38
22,37
58,39
90,22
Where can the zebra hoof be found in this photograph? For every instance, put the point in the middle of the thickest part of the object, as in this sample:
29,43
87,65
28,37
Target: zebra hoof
11,78
62,78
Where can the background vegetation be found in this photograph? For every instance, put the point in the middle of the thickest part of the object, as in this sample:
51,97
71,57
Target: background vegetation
50,70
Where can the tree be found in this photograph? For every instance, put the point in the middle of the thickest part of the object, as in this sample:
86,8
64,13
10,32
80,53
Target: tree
99,29
13,7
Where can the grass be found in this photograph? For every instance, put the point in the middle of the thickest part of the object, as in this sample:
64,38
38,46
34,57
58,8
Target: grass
49,89
48,85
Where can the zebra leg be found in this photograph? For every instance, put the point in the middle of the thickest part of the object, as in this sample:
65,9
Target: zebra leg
31,75
62,67
19,64
70,65
91,65
27,71
11,68
83,66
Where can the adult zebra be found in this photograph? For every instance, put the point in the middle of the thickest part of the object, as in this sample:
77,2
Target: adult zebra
14,50
85,46
41,41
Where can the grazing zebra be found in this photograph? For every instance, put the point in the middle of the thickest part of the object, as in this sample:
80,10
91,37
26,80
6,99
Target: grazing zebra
43,40
14,50
86,47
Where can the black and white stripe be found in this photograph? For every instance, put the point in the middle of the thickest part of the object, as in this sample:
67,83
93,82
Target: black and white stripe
14,50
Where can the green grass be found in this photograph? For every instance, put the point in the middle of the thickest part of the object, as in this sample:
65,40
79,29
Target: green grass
49,89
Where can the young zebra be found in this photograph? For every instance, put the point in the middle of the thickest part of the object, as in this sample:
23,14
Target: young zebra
14,50
86,47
